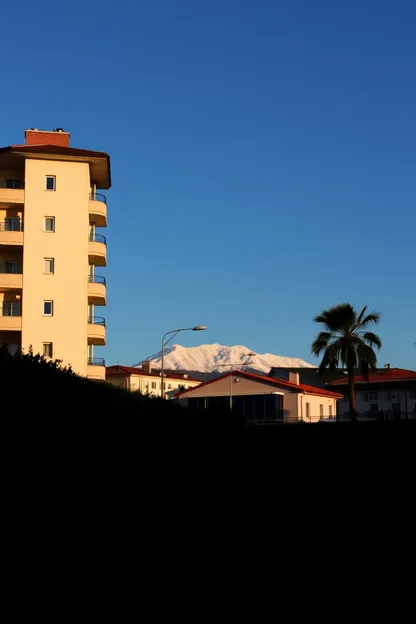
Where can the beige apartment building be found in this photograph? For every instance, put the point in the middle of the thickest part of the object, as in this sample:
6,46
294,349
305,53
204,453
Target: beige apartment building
51,252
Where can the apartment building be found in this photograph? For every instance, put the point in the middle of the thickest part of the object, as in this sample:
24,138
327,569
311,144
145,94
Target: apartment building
51,252
146,380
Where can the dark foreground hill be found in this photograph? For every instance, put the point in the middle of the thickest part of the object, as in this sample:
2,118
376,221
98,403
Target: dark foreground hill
71,427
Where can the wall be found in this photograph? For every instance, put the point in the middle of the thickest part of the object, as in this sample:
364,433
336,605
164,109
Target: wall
383,402
68,245
315,402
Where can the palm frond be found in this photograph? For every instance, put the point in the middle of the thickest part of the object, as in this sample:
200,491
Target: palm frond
349,355
330,358
367,359
361,316
338,318
321,342
372,339
370,319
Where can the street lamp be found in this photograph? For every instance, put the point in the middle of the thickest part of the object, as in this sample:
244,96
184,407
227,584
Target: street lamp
248,355
164,343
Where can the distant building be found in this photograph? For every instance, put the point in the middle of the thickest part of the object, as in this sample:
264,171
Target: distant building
388,390
307,375
259,398
147,381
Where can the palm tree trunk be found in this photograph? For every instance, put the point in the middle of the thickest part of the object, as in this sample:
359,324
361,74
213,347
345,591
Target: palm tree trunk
351,393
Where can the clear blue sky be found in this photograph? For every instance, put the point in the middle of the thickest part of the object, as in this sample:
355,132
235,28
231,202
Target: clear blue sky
263,158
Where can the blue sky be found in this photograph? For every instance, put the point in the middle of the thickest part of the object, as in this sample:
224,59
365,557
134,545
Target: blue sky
263,159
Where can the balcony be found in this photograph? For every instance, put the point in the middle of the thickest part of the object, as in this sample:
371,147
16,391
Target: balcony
96,368
98,209
97,290
11,316
12,196
96,330
11,231
11,277
97,250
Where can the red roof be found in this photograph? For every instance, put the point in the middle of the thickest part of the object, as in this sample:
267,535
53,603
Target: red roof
131,370
386,375
276,382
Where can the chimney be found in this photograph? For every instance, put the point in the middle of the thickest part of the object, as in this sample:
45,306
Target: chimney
56,137
146,367
294,378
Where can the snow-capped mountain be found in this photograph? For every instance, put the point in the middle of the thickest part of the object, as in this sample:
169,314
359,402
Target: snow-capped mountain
213,357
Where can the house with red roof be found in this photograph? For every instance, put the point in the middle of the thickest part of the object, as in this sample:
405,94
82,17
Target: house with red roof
259,398
147,380
388,392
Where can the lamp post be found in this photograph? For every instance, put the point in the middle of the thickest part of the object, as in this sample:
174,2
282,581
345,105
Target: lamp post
164,343
248,355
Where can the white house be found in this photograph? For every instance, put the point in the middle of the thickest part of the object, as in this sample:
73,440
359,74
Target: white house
260,398
148,381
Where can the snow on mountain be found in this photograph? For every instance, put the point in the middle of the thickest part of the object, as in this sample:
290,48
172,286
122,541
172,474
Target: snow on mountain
210,357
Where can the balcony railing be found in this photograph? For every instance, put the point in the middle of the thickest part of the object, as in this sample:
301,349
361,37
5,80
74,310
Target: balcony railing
17,185
11,225
10,268
96,361
96,279
98,238
11,308
98,197
96,320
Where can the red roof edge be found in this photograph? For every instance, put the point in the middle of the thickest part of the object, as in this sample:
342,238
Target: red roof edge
117,369
386,375
302,388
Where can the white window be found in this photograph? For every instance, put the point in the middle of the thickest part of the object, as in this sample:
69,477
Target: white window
308,411
50,184
395,396
321,411
49,266
372,396
48,308
47,349
153,385
49,224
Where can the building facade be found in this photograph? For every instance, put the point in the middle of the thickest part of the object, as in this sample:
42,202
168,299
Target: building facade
146,380
388,393
51,253
258,398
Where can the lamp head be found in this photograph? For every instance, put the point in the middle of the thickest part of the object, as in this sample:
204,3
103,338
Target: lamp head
199,328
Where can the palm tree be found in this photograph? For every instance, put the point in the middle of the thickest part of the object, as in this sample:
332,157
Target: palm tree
346,340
